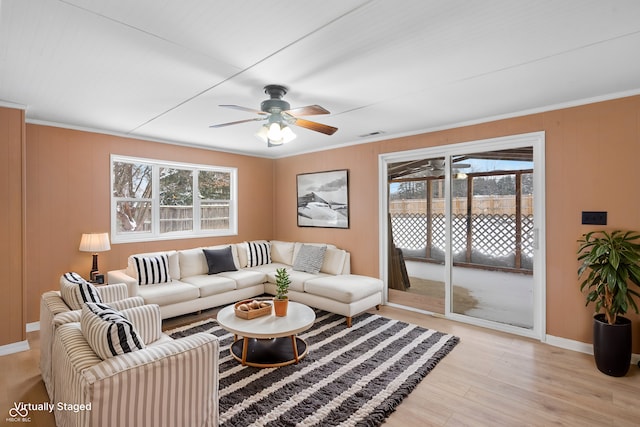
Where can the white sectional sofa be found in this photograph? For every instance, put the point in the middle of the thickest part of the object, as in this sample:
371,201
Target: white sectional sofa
248,270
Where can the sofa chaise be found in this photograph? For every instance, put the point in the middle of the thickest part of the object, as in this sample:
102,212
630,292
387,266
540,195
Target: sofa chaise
190,280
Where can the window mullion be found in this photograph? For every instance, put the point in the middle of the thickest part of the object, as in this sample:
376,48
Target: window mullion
196,201
155,197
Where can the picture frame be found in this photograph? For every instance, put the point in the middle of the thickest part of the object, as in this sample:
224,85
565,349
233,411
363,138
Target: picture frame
323,199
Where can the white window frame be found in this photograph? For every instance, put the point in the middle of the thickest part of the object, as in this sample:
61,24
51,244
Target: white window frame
155,234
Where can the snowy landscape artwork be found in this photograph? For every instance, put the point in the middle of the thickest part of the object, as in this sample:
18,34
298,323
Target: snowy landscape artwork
323,199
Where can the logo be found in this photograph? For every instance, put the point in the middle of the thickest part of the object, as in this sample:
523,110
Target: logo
18,410
19,413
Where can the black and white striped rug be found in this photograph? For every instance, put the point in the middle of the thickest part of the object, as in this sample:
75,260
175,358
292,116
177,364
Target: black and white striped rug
351,376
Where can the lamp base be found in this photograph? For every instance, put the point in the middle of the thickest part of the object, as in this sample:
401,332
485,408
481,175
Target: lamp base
94,268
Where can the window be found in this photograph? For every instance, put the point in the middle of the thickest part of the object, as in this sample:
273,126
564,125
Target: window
153,200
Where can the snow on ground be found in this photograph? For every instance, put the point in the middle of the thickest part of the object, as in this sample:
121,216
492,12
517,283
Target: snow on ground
502,297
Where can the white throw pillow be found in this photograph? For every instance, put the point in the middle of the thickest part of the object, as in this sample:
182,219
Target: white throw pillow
282,252
192,262
108,332
333,261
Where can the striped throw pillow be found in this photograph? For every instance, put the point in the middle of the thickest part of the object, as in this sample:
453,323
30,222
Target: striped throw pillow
75,291
152,270
258,253
108,332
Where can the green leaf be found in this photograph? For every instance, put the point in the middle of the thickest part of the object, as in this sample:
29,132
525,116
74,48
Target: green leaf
614,258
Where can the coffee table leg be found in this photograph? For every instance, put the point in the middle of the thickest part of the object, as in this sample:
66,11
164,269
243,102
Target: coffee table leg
295,348
245,346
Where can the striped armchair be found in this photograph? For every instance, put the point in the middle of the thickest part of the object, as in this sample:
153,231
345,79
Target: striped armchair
55,312
168,383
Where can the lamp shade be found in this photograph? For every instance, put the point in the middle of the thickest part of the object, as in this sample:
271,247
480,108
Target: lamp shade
95,242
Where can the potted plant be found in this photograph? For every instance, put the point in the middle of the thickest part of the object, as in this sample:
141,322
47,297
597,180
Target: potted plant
610,261
281,300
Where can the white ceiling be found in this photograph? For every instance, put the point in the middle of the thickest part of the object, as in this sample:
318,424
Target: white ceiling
159,69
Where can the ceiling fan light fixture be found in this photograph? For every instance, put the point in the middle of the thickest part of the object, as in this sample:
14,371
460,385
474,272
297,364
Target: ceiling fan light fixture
262,133
276,134
287,135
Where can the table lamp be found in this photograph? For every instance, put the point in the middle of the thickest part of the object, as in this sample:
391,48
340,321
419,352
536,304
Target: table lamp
94,243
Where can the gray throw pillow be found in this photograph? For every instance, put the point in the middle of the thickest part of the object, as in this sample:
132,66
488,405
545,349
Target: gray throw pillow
309,259
219,260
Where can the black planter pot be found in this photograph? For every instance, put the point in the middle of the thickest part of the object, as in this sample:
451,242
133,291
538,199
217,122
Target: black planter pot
612,345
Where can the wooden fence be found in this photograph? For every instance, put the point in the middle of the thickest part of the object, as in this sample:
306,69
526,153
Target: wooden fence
180,218
486,205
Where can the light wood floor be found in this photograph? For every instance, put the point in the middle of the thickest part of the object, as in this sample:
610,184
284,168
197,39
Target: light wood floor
490,378
428,295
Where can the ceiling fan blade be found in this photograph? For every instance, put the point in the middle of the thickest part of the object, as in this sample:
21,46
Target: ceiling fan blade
309,110
318,127
238,122
250,110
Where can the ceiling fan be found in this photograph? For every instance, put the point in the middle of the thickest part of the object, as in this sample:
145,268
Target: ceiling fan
436,168
438,165
426,168
279,116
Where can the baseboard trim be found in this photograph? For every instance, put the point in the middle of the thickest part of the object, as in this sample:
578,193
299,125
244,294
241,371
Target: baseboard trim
14,347
33,326
565,343
581,347
568,344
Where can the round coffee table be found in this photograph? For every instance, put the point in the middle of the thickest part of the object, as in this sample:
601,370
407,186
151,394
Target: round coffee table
268,341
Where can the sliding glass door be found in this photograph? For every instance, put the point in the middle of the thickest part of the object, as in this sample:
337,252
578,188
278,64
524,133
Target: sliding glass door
492,234
461,227
417,239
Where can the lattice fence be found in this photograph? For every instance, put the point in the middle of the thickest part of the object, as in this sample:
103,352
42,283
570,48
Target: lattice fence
493,238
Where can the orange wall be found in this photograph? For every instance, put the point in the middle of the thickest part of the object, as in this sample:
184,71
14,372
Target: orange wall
68,194
12,304
361,238
592,155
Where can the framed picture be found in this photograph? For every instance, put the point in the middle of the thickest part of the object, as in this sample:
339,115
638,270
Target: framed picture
92,276
323,199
